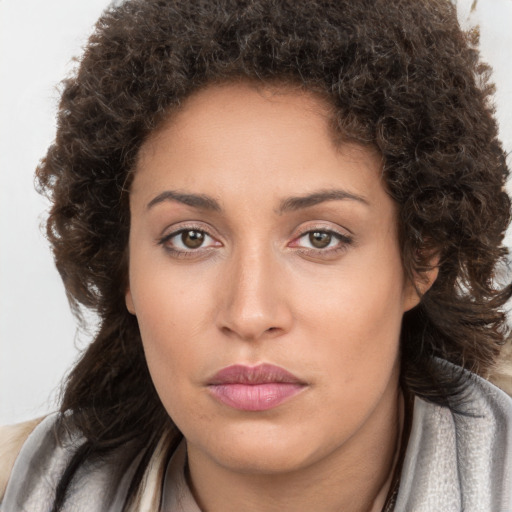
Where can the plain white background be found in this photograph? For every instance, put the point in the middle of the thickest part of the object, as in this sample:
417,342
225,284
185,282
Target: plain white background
38,338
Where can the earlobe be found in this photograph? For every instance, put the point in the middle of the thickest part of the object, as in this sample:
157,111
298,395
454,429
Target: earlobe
421,285
129,301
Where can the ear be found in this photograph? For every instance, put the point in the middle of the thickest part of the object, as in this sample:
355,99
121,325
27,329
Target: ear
415,289
129,301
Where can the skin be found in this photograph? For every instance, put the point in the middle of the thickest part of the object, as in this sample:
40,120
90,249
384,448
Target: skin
258,291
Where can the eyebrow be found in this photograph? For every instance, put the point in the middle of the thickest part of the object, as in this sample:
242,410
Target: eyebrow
195,200
287,205
308,200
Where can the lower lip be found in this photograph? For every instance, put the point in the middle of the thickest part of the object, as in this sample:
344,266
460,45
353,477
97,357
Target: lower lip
255,397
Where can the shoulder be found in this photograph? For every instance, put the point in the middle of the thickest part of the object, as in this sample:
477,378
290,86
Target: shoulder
38,456
12,438
460,460
501,374
41,463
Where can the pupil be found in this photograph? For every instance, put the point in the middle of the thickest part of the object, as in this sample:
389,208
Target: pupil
192,239
319,239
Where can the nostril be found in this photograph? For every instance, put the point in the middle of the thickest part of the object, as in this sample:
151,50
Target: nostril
226,330
229,331
272,329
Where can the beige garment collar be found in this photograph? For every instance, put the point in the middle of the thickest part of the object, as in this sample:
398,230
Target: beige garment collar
12,438
177,496
164,487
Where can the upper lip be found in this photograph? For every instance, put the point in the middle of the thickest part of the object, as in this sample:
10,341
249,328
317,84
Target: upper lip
253,375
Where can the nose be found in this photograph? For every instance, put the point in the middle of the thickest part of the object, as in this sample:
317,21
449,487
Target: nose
253,302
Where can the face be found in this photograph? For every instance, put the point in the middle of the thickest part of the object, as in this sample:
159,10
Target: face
266,278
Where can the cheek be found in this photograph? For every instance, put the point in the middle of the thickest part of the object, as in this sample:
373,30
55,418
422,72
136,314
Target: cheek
359,314
175,312
167,341
167,297
166,319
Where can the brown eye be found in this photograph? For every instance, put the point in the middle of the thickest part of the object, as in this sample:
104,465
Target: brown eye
188,241
322,243
192,239
320,239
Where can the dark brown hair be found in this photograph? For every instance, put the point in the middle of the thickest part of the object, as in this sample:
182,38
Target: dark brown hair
400,75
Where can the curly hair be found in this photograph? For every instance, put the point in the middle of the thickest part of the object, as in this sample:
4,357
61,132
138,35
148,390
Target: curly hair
400,75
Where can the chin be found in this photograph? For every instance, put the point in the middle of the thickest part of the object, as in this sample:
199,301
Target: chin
263,460
267,451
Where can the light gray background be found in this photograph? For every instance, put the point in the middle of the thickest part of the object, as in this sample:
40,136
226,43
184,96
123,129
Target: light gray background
38,339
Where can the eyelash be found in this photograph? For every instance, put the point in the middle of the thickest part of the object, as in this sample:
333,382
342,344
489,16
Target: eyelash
184,253
343,242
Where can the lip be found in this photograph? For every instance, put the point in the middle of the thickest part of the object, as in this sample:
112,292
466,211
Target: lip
254,388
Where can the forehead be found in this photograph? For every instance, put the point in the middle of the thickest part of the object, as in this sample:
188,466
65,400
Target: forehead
242,138
244,103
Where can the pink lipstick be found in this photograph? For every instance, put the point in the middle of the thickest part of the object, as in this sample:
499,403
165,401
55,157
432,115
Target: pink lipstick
254,388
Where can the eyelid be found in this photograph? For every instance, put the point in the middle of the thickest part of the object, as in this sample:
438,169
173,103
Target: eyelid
179,229
342,233
191,225
344,240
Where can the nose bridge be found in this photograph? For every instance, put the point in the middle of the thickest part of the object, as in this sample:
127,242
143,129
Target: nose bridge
253,306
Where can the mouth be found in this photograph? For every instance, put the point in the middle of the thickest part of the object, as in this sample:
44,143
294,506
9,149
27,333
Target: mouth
254,388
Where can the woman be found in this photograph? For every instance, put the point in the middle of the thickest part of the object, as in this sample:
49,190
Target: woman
288,216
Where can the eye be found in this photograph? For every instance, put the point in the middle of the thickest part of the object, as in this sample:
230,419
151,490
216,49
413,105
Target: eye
321,240
192,238
188,240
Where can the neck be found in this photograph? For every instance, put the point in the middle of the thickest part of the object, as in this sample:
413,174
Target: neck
354,478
